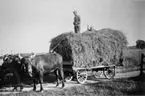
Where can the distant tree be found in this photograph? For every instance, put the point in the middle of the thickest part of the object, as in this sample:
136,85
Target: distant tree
140,44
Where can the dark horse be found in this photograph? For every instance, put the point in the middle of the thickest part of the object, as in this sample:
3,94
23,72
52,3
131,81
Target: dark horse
12,64
45,64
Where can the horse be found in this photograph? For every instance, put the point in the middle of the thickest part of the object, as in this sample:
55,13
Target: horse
44,64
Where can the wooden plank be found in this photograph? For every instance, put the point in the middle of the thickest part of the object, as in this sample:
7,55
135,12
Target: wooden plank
96,67
101,66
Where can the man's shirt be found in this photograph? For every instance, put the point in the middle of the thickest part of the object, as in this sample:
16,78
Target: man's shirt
77,20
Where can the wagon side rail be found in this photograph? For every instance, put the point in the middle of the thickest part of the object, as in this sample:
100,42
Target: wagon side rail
82,73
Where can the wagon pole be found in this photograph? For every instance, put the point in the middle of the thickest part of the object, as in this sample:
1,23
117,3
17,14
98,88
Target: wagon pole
142,56
140,59
52,50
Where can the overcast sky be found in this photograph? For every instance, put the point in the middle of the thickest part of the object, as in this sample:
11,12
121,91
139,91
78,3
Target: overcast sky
28,25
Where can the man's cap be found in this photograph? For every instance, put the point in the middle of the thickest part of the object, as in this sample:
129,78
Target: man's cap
74,11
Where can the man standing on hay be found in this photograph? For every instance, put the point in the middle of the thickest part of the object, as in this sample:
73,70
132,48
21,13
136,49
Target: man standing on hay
76,22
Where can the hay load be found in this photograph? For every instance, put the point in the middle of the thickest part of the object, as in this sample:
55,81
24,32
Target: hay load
90,48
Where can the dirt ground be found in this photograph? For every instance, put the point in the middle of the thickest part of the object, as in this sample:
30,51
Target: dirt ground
129,83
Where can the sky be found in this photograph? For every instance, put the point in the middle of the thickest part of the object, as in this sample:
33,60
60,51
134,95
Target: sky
29,25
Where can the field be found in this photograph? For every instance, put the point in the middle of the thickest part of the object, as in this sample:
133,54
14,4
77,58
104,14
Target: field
118,86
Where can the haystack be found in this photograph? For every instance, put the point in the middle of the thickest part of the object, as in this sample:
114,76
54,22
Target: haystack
90,48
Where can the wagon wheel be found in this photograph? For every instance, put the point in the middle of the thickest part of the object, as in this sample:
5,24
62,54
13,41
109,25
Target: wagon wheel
109,73
97,74
81,76
68,78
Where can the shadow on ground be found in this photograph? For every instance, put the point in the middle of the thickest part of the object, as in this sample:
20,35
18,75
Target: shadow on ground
140,85
11,81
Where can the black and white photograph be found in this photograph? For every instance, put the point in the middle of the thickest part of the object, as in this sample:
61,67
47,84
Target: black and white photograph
72,47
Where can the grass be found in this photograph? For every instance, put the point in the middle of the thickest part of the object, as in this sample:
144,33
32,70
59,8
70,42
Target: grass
131,86
115,87
131,60
131,57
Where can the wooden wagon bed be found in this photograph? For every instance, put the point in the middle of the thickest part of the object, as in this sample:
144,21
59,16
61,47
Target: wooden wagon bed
81,74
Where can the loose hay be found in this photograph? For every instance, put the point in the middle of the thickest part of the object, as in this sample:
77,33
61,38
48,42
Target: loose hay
90,48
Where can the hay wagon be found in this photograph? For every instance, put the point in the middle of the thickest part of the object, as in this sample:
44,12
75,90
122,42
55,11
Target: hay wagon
89,52
81,74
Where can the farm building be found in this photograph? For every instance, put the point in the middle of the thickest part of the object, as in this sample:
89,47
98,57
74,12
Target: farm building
90,48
